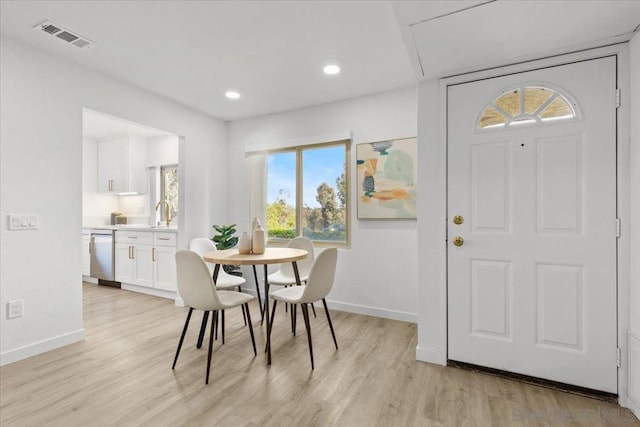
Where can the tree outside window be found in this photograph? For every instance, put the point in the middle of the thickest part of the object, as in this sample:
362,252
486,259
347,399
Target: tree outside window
307,193
169,190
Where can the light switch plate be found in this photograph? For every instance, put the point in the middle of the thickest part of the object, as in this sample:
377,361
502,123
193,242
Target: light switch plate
22,221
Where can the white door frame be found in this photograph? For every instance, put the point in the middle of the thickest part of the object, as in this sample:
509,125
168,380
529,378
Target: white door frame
435,323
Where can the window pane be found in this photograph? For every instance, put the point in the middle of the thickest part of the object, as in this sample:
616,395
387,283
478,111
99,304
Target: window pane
534,97
169,190
281,195
324,195
491,117
558,108
510,102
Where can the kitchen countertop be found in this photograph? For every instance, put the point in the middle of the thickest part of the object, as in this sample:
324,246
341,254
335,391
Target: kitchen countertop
133,227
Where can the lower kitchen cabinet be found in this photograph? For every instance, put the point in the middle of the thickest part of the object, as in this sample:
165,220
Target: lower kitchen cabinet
164,268
146,259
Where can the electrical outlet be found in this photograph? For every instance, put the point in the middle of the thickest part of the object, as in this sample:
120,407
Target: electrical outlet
15,308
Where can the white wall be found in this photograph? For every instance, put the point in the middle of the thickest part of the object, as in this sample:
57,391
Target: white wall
378,275
634,330
41,104
162,150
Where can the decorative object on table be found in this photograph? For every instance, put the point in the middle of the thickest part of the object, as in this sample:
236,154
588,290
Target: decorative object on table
386,179
226,239
254,225
258,240
244,245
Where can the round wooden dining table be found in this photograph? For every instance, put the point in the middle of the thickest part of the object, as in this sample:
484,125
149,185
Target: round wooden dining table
270,256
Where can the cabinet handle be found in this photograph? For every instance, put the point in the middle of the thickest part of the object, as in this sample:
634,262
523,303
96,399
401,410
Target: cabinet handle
163,238
153,254
133,237
110,185
130,247
133,253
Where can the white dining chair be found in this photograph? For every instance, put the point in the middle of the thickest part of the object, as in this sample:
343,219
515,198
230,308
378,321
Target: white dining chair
225,281
319,284
196,287
285,276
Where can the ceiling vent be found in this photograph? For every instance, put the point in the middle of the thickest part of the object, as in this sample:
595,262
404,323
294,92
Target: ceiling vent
64,34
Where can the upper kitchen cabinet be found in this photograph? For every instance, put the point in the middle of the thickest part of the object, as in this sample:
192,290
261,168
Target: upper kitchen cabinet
121,166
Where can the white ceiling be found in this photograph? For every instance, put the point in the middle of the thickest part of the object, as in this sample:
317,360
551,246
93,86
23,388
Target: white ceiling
194,51
448,38
272,52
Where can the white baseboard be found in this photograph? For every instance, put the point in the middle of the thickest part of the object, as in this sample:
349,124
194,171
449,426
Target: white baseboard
360,309
633,381
431,356
635,408
90,280
373,311
149,291
20,353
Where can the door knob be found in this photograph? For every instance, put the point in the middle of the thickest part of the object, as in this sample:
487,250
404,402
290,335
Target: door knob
458,241
458,219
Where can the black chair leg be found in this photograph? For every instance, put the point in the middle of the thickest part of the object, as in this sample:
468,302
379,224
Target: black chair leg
215,314
255,278
293,325
273,312
305,314
253,340
203,328
326,310
184,331
314,310
294,314
215,323
223,327
244,316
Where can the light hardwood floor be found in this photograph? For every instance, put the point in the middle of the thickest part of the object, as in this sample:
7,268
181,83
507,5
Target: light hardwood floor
120,375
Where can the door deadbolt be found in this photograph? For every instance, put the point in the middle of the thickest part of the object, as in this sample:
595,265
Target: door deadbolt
458,241
458,219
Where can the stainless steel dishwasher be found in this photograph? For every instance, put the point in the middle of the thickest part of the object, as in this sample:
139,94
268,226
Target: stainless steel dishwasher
103,257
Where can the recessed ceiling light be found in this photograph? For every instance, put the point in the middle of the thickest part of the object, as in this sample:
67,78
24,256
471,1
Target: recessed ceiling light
331,69
232,95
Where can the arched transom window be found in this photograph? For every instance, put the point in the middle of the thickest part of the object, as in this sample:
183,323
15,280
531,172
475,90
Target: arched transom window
526,105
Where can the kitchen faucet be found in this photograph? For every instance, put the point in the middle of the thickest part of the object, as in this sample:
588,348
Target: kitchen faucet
167,214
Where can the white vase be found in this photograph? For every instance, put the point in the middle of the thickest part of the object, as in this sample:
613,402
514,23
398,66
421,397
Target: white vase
258,241
244,244
254,224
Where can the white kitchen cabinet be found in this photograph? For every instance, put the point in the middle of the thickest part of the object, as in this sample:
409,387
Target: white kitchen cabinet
146,259
124,263
86,253
113,164
143,265
164,273
121,166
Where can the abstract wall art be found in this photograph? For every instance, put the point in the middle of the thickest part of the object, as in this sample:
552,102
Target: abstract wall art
387,176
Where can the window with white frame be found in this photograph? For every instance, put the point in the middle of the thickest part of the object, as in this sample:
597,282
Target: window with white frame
307,193
169,190
524,106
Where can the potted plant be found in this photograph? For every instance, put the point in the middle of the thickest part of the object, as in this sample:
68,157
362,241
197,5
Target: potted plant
226,239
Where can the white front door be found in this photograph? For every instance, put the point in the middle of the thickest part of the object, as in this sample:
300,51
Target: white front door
532,175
